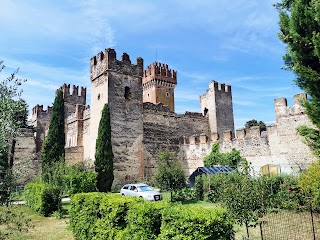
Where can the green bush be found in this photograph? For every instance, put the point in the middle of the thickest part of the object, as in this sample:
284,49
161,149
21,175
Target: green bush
42,198
215,184
185,222
281,191
84,214
310,184
199,187
78,179
70,179
111,216
185,194
144,221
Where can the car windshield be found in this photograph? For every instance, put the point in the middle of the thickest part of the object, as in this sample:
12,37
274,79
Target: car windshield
145,188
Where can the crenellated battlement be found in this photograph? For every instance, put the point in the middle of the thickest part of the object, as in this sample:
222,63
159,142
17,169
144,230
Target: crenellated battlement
282,109
160,71
75,91
73,98
106,61
219,87
39,111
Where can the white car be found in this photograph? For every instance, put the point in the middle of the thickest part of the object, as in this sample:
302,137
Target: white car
141,190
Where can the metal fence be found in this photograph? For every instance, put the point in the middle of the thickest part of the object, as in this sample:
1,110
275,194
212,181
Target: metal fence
290,225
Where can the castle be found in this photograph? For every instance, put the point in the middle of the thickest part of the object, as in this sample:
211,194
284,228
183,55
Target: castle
143,122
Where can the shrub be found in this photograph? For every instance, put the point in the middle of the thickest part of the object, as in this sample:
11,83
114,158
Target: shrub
182,222
199,187
144,221
185,194
83,214
310,184
42,198
112,216
70,179
79,180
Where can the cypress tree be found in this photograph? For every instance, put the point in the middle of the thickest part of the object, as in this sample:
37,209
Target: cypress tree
53,148
104,155
300,31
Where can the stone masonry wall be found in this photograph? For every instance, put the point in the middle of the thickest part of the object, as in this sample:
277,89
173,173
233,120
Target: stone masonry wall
216,103
26,164
119,83
164,129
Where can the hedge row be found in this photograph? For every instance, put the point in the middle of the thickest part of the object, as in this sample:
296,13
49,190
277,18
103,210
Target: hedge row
42,198
111,216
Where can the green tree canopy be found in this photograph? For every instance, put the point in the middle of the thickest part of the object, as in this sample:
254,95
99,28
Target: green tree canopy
300,31
11,106
169,175
254,122
53,148
104,155
232,159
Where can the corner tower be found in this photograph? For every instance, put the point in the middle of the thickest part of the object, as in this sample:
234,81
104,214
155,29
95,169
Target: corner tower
216,104
158,84
118,83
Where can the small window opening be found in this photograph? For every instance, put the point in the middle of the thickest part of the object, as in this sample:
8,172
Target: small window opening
127,93
168,94
148,95
99,96
205,112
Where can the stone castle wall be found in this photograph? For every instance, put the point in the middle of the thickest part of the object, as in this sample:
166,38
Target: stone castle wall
40,121
164,129
279,145
119,83
216,103
140,129
26,164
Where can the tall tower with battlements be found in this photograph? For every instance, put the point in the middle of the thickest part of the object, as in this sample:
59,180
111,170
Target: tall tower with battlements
158,84
216,104
119,84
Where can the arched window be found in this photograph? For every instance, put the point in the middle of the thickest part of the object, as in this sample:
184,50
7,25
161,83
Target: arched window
168,94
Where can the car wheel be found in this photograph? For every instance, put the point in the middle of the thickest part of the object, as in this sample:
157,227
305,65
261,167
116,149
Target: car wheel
123,195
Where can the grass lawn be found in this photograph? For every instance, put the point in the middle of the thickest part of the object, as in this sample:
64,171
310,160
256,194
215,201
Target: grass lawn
44,228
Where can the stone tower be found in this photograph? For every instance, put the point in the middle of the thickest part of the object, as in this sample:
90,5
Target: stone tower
158,84
40,121
119,83
216,104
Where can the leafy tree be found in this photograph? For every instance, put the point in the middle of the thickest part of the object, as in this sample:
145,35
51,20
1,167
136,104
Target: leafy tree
243,198
10,106
169,174
300,31
199,187
310,184
53,148
104,155
254,122
232,159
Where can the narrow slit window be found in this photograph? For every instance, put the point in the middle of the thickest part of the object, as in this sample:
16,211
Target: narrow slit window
127,93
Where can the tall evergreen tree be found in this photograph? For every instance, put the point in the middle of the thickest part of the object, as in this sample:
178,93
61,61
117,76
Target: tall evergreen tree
300,31
53,148
104,155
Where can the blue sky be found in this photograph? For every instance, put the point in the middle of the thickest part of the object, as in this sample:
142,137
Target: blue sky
233,42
